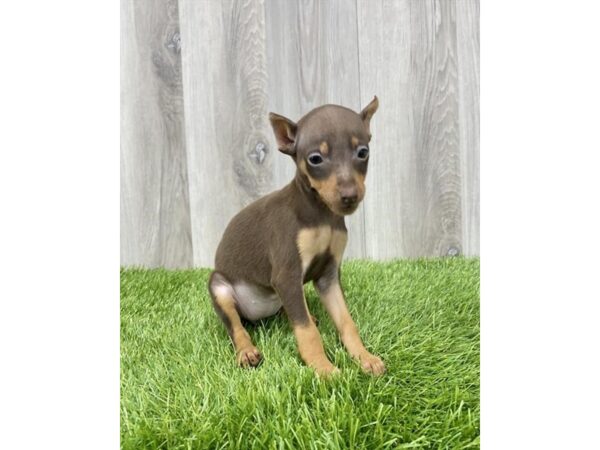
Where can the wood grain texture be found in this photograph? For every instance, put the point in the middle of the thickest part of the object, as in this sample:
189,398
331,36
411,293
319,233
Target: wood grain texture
467,27
227,131
408,55
155,220
385,47
188,166
312,49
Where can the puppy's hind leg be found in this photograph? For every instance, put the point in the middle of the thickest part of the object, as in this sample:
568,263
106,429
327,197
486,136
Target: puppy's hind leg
224,302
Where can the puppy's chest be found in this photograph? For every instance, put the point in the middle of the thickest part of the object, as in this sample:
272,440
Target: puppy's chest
317,245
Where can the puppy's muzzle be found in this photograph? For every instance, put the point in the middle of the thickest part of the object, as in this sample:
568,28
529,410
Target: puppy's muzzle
348,198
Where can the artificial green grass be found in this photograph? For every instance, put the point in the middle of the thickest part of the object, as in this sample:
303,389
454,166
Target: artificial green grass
180,387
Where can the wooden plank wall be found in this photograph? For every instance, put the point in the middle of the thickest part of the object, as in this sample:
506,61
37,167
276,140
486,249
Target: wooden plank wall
227,130
467,31
196,142
155,213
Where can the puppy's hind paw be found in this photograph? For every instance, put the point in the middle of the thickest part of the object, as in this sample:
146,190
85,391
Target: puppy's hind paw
249,357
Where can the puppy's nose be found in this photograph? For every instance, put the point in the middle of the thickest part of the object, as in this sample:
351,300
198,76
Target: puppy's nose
348,196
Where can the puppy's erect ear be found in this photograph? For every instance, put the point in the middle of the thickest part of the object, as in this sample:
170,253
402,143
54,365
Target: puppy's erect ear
368,112
285,133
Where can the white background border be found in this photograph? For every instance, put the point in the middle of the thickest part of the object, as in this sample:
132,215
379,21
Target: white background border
59,225
540,194
59,249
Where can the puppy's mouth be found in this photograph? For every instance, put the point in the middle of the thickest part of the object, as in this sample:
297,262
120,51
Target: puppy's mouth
336,206
345,210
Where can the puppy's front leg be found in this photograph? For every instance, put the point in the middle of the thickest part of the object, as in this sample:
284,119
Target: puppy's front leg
332,298
289,288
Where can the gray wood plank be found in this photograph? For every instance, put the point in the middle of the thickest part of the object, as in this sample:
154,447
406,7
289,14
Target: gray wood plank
408,56
467,27
228,136
385,69
183,176
312,50
155,221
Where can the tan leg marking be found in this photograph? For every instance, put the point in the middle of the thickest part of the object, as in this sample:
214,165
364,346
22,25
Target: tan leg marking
311,349
247,354
333,300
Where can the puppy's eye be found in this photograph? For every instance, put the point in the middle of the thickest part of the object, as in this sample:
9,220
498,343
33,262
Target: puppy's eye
314,159
362,152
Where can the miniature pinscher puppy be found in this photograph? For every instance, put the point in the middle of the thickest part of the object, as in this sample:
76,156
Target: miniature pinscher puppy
296,235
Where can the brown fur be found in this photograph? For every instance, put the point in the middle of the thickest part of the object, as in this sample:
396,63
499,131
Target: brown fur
298,234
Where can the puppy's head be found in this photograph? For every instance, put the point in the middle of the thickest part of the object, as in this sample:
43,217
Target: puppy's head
330,146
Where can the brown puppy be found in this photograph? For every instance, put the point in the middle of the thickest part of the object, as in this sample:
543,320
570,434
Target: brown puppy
296,235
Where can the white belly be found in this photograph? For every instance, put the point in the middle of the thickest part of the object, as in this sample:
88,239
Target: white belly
255,302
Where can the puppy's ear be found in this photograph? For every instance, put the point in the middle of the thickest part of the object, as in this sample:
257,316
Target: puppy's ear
285,133
368,112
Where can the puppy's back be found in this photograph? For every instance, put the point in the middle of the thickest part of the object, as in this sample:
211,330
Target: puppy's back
243,253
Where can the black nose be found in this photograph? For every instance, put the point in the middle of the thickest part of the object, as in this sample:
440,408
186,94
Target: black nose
349,200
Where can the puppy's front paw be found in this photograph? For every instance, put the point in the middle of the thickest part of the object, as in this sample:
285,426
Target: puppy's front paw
249,357
324,368
372,364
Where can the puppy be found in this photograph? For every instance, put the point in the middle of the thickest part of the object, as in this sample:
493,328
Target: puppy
296,235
